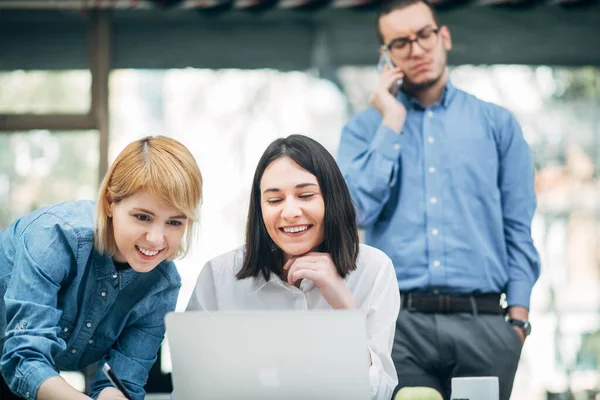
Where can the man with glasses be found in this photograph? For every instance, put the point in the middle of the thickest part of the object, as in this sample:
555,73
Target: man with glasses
443,183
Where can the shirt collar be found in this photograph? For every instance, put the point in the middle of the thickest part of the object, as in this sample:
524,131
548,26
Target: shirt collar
449,93
259,282
105,269
103,266
445,101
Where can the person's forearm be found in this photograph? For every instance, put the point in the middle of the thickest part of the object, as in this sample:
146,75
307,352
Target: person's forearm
518,312
370,167
521,313
111,393
56,388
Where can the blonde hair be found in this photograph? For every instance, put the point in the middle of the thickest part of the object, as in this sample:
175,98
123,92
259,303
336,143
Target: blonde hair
162,167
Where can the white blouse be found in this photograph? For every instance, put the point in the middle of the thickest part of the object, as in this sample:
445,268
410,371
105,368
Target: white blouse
373,285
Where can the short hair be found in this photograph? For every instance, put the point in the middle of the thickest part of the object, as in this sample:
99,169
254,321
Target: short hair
164,168
387,6
262,256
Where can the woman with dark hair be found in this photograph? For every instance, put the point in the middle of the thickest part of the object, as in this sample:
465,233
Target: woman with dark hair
302,239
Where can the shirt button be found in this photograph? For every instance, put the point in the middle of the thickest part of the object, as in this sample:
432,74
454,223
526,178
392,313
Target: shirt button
27,394
433,200
103,294
396,146
435,232
89,324
436,263
65,329
91,341
115,276
430,139
431,170
73,351
430,113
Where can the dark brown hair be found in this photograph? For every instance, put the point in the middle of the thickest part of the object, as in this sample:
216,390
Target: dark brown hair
262,256
387,7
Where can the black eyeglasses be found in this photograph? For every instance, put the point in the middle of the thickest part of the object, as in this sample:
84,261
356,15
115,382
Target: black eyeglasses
402,47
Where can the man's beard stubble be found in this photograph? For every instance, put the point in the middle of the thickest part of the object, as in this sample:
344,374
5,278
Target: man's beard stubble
415,87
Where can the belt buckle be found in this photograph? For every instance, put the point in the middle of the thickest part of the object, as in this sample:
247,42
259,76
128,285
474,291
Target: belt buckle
444,303
409,300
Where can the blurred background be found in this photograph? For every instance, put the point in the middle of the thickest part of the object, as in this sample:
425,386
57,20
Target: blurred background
80,79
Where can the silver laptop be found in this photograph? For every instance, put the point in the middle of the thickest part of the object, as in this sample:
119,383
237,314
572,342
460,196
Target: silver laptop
264,355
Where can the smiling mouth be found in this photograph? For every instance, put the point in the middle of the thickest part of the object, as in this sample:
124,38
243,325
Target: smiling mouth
148,253
295,229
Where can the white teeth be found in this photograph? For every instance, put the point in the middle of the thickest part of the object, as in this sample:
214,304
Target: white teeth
148,252
295,229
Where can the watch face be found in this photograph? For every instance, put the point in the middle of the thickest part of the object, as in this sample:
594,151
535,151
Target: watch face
527,328
525,325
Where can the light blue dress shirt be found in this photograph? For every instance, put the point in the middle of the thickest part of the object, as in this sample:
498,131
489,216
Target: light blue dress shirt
450,200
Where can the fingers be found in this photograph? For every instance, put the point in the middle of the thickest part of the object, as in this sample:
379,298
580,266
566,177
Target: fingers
383,98
309,274
387,71
314,261
297,266
389,78
316,257
289,262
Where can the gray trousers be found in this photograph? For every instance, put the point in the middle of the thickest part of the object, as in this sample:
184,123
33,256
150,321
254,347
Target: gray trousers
432,348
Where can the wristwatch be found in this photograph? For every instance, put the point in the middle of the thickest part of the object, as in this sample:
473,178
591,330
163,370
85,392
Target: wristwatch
525,325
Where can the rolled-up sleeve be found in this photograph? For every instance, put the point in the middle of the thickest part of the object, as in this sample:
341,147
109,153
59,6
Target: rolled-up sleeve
42,260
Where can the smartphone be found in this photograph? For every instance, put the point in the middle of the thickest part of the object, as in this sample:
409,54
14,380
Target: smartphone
384,59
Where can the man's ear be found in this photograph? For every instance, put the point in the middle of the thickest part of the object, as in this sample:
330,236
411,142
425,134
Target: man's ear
446,38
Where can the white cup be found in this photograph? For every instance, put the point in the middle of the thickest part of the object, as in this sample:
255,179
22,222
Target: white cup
475,388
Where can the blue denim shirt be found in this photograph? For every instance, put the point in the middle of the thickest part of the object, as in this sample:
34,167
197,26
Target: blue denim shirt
451,199
66,306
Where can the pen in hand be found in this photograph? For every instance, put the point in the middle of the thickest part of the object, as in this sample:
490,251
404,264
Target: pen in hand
114,379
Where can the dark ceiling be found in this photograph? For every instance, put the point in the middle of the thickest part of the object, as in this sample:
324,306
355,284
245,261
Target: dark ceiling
282,37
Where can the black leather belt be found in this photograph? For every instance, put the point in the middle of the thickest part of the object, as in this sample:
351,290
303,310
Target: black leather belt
452,303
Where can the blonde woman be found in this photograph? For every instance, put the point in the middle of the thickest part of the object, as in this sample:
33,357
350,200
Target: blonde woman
84,282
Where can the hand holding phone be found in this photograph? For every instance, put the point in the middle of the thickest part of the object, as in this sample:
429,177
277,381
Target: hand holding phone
384,99
385,60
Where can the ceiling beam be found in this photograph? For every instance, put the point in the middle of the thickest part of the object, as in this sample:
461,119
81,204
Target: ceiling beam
283,39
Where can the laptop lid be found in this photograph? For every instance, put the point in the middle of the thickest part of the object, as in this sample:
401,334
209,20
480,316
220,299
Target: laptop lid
269,355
